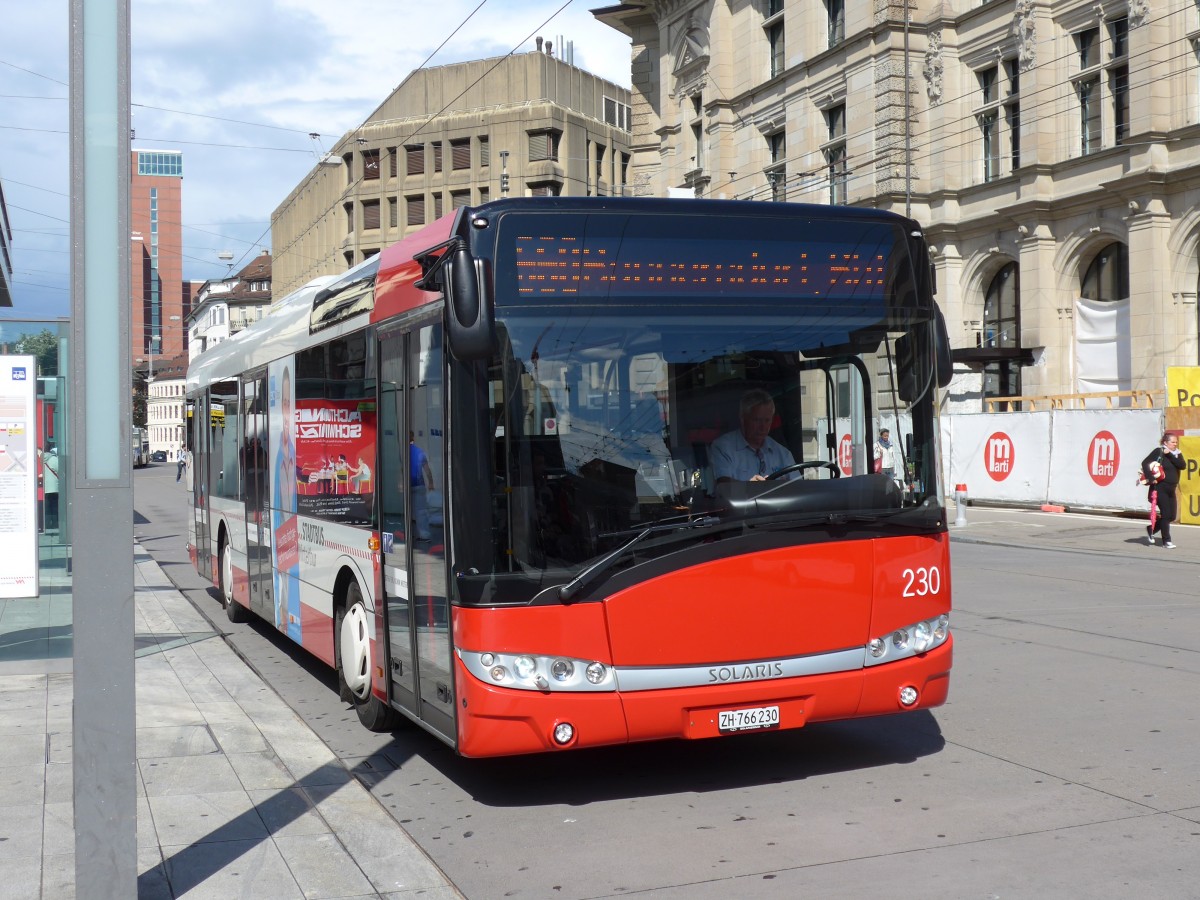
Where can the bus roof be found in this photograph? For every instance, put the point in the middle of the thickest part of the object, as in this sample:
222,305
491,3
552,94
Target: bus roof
284,330
395,286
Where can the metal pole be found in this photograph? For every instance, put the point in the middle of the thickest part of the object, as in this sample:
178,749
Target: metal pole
104,765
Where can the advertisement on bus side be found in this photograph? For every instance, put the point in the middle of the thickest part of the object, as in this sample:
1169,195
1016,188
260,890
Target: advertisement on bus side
335,455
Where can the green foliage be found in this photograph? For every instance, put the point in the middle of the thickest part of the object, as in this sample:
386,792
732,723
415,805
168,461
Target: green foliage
43,345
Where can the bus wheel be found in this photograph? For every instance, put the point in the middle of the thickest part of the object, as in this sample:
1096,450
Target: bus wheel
353,639
233,610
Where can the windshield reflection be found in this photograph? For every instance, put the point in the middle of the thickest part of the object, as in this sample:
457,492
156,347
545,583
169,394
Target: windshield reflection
606,425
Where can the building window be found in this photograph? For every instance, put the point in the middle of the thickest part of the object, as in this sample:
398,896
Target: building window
999,115
393,163
775,47
837,21
772,7
415,159
1102,85
414,213
1012,113
1088,90
485,151
776,169
1118,77
437,156
437,205
543,145
616,113
598,174
168,163
1107,277
544,188
370,163
393,213
835,154
349,208
459,199
460,154
370,213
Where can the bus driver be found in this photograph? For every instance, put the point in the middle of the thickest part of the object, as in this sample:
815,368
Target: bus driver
750,453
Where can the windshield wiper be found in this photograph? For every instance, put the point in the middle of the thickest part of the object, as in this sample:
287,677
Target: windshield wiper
568,591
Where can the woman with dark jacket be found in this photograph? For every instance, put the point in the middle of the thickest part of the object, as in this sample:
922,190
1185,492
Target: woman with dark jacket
1172,462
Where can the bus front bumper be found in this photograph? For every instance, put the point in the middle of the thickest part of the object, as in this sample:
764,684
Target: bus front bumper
496,721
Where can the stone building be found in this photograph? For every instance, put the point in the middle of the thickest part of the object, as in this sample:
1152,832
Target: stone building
224,307
527,124
1051,151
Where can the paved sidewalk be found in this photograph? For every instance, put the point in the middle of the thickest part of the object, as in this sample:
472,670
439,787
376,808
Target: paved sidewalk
1110,535
237,797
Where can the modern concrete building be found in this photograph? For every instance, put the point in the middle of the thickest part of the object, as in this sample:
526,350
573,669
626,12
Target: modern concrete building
528,124
160,296
1050,150
223,308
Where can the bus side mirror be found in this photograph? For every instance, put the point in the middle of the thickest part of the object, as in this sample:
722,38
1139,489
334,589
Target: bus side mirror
913,352
470,325
941,349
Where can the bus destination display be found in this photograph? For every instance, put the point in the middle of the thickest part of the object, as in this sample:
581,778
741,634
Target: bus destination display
564,267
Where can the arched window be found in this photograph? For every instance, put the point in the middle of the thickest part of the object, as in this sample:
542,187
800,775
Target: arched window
1107,278
1103,355
1001,334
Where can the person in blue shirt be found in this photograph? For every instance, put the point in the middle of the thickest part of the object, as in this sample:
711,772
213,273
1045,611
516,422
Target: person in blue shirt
421,482
750,453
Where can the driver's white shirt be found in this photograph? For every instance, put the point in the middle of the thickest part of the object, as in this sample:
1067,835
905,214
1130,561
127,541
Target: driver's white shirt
732,457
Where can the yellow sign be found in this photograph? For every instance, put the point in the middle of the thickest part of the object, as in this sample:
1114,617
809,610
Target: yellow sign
1189,481
1183,385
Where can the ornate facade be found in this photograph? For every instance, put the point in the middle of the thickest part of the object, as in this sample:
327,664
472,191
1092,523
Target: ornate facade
1051,150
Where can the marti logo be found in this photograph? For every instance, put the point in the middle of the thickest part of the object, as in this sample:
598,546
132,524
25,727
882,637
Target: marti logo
1104,458
845,456
998,456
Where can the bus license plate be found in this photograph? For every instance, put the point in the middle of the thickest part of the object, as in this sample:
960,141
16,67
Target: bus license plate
748,719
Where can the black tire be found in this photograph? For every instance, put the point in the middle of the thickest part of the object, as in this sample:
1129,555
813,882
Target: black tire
353,648
234,611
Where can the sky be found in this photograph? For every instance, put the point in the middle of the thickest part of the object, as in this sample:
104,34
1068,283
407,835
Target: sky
238,86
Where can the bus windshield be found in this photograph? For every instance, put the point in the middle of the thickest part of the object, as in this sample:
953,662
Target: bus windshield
696,425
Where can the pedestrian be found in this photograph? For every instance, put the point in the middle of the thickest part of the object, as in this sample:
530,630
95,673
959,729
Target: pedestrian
885,454
179,467
420,480
1161,470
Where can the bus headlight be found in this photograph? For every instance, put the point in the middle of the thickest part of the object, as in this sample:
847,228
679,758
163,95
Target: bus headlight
911,640
534,672
922,637
562,669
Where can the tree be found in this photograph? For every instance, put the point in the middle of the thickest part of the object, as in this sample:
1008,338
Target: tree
140,391
44,346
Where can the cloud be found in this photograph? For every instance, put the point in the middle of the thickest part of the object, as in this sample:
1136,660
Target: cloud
249,79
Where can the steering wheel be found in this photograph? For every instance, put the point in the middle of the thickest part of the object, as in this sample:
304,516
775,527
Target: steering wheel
807,464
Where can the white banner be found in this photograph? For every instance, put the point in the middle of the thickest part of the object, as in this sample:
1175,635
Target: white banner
1000,456
1084,458
1102,355
19,465
1096,455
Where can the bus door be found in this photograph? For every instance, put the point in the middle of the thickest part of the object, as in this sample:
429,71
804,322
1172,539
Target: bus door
411,485
198,423
257,493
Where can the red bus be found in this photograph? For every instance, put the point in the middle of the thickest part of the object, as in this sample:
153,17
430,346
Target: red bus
555,473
